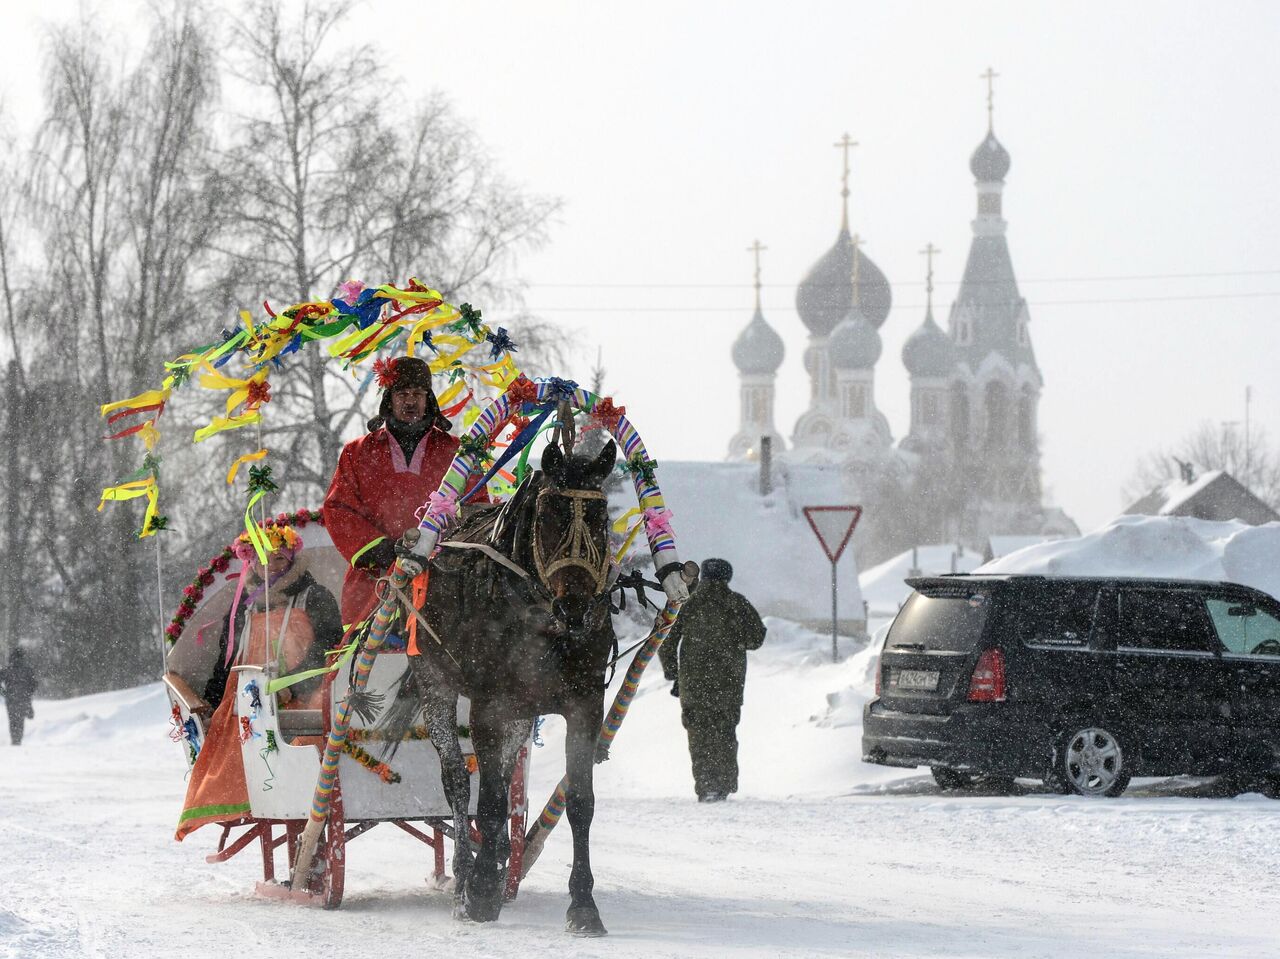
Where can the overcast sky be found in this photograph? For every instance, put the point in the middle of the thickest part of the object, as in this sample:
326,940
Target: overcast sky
1142,201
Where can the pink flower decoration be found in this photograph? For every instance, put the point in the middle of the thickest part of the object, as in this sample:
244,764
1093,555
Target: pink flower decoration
657,520
442,504
350,291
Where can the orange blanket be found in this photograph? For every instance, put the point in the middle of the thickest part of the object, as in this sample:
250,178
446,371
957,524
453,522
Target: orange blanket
217,791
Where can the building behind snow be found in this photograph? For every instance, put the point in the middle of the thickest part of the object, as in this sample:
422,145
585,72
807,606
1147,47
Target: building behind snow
1215,495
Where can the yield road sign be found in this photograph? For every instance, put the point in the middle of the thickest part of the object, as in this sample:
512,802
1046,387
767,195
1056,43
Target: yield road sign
833,525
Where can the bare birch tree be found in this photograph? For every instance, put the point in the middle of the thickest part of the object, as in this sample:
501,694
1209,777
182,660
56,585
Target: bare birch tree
124,209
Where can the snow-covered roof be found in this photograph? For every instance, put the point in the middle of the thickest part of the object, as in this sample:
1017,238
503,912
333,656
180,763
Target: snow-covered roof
1214,495
777,561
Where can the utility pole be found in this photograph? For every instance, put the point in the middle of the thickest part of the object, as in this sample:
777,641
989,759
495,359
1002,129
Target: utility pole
1247,397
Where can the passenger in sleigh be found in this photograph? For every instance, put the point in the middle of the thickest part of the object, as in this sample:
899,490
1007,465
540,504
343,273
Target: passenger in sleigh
282,614
305,622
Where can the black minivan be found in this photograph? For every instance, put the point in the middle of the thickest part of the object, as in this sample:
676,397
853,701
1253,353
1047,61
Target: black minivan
1080,681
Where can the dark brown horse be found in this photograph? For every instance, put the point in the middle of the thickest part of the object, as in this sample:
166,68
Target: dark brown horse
519,619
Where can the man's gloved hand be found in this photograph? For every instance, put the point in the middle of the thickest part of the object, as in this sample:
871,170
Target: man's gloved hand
410,562
377,558
675,687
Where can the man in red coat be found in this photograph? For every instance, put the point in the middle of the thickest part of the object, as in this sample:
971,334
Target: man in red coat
384,477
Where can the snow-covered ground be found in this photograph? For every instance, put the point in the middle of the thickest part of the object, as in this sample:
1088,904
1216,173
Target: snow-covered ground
818,855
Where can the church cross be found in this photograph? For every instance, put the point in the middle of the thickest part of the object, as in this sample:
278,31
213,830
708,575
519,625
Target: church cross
990,77
846,142
928,252
757,249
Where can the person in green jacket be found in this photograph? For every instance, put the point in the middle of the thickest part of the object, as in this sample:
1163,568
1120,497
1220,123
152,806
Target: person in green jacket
705,656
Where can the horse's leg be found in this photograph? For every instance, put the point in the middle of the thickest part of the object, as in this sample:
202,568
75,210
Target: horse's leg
497,744
442,725
583,730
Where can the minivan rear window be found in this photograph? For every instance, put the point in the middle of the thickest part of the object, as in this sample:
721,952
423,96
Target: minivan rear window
950,621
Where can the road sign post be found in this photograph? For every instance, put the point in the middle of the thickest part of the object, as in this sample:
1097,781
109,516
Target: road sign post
833,525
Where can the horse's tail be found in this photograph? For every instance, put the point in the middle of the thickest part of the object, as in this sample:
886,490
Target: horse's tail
407,702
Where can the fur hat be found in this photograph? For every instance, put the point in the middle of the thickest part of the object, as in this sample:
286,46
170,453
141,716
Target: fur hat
406,372
717,570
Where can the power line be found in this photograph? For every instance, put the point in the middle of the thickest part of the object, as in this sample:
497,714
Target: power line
1049,279
1031,304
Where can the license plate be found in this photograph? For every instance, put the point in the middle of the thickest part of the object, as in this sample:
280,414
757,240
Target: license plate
926,679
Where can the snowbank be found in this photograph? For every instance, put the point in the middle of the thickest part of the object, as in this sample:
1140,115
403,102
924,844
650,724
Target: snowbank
1174,547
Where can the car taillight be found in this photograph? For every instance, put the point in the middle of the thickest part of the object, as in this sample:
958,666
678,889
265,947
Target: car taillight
987,683
878,668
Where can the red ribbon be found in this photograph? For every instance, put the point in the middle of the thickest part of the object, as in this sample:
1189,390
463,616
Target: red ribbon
458,407
605,414
523,390
259,392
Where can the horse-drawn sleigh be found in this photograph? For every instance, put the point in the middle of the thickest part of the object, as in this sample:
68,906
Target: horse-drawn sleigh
507,608
281,761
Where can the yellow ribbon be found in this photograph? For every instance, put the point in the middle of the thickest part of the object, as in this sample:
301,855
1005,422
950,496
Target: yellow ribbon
220,423
144,487
240,461
149,398
261,545
620,524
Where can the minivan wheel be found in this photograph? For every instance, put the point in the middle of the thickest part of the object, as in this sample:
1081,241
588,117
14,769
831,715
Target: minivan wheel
1091,762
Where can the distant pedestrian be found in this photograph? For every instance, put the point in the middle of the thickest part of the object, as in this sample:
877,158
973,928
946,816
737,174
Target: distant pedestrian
705,656
18,683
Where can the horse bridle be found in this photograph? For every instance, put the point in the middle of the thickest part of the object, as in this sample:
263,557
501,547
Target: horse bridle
575,548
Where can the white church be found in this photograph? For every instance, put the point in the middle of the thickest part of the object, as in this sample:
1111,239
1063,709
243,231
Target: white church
975,387
968,469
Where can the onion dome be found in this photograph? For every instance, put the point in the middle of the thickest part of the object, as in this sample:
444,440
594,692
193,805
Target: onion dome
854,344
758,348
928,351
825,296
990,162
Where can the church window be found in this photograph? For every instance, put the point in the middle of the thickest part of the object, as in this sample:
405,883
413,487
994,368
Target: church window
963,333
855,401
959,416
928,412
997,415
1027,419
818,431
1022,333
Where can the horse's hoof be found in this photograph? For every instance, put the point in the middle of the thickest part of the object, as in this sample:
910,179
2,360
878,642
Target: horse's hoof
482,909
460,912
585,921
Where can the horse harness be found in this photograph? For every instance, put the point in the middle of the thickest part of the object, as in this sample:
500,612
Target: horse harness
575,548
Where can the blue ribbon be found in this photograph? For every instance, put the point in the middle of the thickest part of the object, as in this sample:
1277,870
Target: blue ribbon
523,439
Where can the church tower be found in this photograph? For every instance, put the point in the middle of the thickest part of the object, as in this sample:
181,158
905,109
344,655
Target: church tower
995,386
757,353
930,362
826,299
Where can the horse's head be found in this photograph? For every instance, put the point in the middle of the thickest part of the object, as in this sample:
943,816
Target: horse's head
571,535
